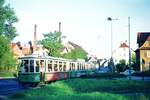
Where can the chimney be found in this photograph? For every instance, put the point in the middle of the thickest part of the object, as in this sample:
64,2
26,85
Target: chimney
34,41
59,26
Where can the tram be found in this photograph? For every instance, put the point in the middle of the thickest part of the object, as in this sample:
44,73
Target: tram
36,69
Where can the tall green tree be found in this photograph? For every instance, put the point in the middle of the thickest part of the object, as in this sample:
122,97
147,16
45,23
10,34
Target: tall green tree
121,65
6,55
76,54
7,20
52,42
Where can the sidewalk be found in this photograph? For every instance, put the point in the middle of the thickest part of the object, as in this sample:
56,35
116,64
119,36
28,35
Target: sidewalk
146,78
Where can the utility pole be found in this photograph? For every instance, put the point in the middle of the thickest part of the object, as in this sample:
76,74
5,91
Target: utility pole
111,62
129,49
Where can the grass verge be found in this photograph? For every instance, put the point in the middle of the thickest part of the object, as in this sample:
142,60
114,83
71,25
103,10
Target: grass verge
88,89
6,74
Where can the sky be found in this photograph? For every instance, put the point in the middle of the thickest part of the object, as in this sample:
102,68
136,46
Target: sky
84,22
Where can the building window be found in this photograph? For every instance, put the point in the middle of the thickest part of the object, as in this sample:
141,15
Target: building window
148,54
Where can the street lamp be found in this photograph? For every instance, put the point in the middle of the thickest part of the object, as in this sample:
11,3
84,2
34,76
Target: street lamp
111,59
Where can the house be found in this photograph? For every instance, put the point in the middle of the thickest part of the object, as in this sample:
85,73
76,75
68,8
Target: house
26,49
16,50
20,50
143,51
68,46
122,52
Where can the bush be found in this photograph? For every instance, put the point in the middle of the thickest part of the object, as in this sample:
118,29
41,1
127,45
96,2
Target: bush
105,75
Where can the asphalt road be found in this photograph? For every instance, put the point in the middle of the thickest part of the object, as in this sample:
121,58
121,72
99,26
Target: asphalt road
9,86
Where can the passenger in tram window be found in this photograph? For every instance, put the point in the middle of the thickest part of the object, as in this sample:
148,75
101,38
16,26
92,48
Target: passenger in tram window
42,69
42,66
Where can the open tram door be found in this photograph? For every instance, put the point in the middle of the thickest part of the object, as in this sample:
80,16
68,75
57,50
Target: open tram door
42,70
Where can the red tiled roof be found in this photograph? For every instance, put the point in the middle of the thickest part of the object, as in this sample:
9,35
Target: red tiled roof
123,45
75,45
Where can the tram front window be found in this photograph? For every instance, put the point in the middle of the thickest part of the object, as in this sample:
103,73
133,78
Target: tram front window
24,66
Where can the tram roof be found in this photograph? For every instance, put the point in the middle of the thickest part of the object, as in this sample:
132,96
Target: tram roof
48,57
40,57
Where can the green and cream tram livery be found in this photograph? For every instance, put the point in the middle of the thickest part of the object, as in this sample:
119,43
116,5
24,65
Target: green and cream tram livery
35,69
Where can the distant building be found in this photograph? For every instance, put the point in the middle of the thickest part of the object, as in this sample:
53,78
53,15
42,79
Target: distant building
122,52
68,46
26,49
19,50
16,50
143,51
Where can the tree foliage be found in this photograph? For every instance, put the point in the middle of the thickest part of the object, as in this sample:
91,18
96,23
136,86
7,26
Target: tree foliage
121,65
76,54
133,58
133,64
52,42
7,19
6,56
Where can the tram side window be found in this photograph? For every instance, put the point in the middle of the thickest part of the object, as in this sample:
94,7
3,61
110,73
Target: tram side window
42,66
50,66
77,66
70,66
80,67
37,66
31,65
86,66
64,66
26,65
60,66
83,66
55,66
73,66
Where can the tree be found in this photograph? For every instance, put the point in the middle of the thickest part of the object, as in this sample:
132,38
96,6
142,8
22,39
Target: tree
52,42
133,58
133,64
121,65
7,19
6,56
76,54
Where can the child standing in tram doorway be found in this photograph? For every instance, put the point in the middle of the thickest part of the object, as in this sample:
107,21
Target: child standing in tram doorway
42,69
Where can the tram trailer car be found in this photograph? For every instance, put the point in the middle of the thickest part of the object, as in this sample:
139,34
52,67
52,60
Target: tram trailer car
36,69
